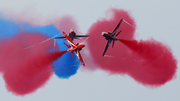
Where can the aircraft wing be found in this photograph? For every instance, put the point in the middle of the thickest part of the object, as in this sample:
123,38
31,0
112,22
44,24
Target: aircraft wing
59,37
79,57
116,29
69,40
82,35
107,45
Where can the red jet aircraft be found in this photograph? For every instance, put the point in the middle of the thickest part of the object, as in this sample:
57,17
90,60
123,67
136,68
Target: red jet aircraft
72,35
111,36
74,47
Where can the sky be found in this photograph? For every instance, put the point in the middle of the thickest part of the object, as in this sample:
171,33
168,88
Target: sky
158,19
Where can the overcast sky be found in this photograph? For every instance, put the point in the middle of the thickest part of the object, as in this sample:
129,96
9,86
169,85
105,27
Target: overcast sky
158,19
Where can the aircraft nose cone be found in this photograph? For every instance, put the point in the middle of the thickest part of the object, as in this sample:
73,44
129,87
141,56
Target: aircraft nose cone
84,45
102,33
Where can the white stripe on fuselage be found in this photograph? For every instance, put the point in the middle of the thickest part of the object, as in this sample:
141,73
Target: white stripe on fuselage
77,53
71,43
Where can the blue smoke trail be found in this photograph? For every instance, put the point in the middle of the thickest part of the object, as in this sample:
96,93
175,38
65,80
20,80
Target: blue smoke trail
7,29
65,66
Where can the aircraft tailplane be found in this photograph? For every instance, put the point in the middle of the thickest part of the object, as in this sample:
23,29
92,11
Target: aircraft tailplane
118,33
66,45
113,43
72,55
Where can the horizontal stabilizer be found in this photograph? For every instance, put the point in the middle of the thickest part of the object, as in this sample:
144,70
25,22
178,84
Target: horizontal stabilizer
66,45
72,55
118,33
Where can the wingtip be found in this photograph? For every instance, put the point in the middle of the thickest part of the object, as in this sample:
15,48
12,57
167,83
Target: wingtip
83,64
63,32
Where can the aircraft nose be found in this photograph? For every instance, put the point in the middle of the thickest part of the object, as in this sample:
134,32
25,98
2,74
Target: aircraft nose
102,33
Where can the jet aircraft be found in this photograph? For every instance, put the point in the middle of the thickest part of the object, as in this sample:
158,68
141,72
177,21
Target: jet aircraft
111,36
72,35
74,47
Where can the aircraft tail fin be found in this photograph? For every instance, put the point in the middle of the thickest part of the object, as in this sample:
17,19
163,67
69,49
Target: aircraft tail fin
118,33
72,55
69,47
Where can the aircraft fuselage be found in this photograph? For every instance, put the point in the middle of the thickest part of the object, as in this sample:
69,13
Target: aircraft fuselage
77,47
72,35
108,35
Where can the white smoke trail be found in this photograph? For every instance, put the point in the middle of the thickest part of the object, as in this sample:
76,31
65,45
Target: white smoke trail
42,42
128,23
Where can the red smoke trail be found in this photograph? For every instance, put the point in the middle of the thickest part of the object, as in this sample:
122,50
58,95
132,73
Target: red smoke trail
122,60
25,70
157,63
53,56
